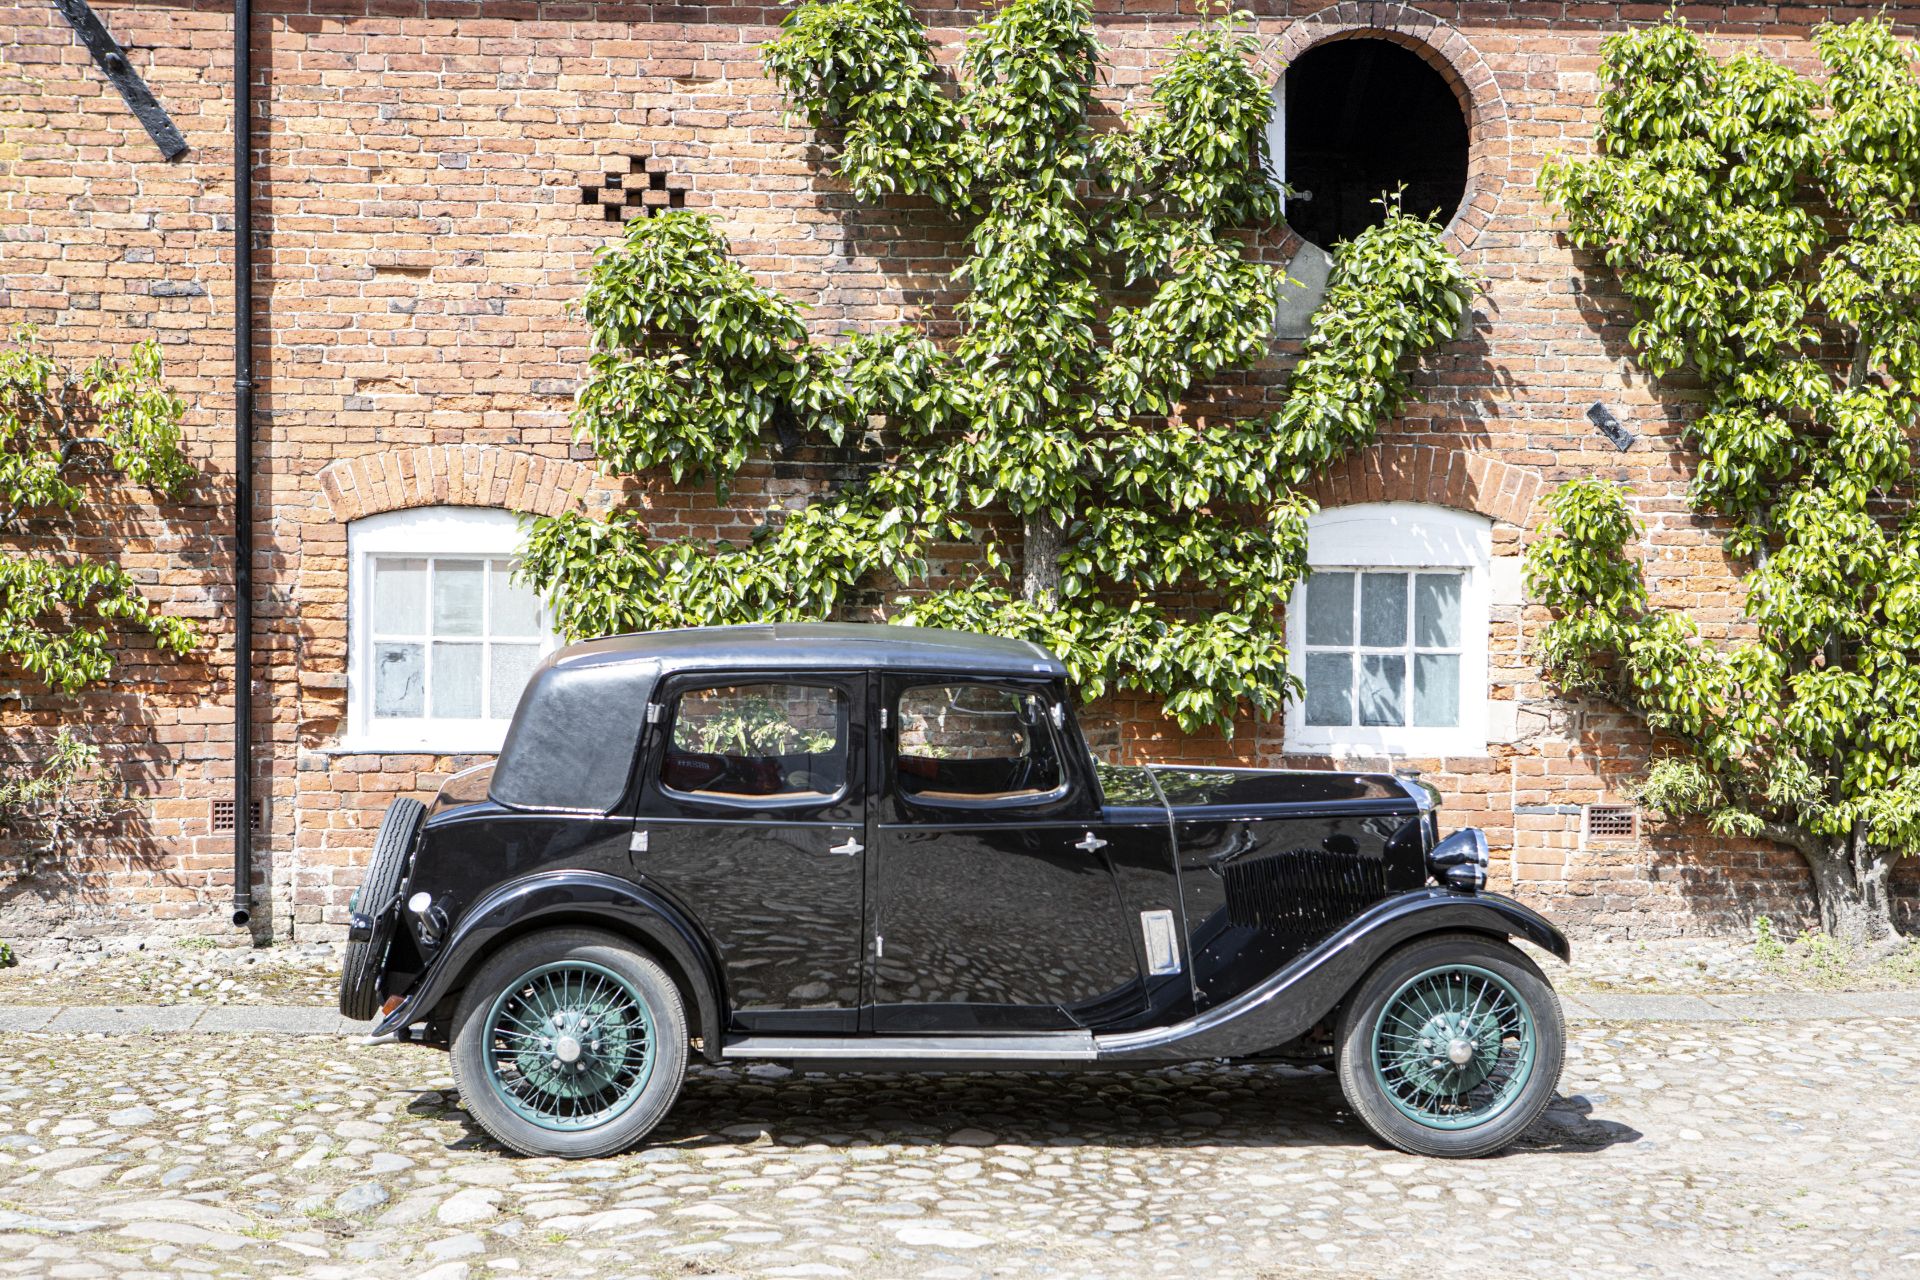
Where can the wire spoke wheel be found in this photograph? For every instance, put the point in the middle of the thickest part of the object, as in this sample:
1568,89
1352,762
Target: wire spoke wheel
1454,1046
569,1046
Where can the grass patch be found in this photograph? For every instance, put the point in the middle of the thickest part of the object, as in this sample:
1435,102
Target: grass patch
1819,962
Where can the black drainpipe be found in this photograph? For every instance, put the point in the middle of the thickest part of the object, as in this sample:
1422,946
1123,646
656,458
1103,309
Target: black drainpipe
242,463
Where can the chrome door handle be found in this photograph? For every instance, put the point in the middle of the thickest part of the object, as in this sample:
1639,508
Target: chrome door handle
1092,843
850,848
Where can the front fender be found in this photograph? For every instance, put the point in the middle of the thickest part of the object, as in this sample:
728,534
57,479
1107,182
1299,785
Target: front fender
1289,1002
568,897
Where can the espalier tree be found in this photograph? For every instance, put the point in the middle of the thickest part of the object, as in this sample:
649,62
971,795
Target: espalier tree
58,611
1106,282
111,419
1764,226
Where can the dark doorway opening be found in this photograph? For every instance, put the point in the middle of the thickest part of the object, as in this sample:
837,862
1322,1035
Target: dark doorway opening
1365,116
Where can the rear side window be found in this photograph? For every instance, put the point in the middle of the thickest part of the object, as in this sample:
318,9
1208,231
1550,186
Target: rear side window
758,741
976,744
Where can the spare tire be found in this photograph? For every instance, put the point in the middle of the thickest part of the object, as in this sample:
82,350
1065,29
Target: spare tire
367,956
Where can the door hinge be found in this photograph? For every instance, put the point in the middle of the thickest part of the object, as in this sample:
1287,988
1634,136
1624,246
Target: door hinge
879,946
654,711
638,844
883,717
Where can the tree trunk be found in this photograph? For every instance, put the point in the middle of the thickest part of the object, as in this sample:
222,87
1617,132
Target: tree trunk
1040,562
1850,882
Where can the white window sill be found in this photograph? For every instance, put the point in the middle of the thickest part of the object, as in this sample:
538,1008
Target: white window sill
464,744
1424,745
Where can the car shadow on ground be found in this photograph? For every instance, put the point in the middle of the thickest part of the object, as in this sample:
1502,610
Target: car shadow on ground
1214,1106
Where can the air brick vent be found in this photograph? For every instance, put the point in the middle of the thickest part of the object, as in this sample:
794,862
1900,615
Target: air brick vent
1612,822
644,189
223,815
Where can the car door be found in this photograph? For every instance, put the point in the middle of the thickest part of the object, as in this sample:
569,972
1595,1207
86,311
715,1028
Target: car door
994,905
752,816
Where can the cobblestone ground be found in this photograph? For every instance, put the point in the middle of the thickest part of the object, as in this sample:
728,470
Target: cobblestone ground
1736,1149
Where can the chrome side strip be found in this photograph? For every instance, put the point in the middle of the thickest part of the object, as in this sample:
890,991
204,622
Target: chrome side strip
1053,1046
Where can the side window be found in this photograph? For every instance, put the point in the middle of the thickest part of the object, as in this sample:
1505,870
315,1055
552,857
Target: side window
758,741
980,744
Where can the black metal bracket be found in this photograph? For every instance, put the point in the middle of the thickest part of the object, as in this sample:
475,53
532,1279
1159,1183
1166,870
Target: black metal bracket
112,60
1611,427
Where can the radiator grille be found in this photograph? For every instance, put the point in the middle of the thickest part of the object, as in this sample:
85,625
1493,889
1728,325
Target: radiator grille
1301,894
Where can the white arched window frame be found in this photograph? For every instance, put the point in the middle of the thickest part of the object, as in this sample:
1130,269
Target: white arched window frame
440,640
1277,139
1423,555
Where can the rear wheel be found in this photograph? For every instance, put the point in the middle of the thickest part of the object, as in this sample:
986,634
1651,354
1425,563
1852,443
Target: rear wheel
1452,1046
365,958
569,1043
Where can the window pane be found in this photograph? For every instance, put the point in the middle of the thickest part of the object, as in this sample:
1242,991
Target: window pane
975,742
512,664
399,596
1329,679
1436,689
1383,609
456,681
1436,610
1330,609
773,740
1383,679
516,610
456,599
399,681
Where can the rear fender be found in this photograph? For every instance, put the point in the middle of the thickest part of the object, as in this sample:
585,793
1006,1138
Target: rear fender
557,898
1289,1002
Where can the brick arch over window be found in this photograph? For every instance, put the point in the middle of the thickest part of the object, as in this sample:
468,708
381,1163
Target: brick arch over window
1449,52
1456,478
453,475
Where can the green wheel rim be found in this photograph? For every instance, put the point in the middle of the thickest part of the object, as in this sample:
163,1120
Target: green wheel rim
569,1046
1454,1046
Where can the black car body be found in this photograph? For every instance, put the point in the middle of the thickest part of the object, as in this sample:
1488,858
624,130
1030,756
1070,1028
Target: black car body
869,846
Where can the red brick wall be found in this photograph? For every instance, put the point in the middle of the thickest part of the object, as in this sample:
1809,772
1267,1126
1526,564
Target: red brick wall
421,230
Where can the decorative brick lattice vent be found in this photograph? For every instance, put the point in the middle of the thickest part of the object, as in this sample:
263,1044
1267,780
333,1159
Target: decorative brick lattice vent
1612,822
223,815
643,190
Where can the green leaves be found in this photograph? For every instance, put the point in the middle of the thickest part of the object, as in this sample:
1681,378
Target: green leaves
1201,151
693,362
1766,229
56,614
1394,289
1055,408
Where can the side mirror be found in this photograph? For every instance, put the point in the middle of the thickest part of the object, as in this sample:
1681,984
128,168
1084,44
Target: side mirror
1460,861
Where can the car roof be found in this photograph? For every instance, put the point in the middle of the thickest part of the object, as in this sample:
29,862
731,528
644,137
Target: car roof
781,646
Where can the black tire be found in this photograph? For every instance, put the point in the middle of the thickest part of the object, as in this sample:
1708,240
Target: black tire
643,1108
1369,1095
361,968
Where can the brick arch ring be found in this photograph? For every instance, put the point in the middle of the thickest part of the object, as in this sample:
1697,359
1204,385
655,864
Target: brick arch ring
1456,478
453,475
1450,53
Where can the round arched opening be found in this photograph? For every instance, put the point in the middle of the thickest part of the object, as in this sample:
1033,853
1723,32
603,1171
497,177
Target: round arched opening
1362,117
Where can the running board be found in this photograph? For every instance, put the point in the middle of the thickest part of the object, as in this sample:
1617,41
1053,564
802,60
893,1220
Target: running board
976,1052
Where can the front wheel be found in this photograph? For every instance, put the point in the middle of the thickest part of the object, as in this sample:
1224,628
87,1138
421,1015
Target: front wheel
569,1043
1452,1046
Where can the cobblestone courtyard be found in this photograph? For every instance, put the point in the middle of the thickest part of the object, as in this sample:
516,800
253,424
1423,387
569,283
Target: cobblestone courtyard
1722,1148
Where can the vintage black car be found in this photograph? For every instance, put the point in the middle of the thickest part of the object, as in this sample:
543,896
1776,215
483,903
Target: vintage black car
872,847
